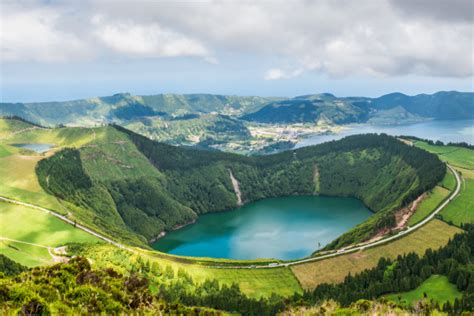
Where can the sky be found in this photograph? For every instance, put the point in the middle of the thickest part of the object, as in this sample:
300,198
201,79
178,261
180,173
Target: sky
63,50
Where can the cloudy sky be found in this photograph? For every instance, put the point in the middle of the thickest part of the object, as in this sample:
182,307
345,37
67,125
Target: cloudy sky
59,50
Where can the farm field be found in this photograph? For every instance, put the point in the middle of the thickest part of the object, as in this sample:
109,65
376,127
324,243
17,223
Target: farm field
432,235
35,227
428,205
253,282
436,287
449,181
27,255
456,156
461,209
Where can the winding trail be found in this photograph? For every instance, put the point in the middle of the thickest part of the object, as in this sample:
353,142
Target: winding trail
273,264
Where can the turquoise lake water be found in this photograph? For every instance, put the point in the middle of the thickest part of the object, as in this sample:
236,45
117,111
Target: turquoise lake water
283,228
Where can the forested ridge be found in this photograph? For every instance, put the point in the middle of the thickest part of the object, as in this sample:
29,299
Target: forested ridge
378,169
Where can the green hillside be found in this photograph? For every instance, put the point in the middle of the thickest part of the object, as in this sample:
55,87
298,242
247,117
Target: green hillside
436,287
443,105
198,130
134,188
302,110
392,108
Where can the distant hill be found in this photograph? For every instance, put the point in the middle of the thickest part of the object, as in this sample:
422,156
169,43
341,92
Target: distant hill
441,105
324,109
390,108
125,107
319,108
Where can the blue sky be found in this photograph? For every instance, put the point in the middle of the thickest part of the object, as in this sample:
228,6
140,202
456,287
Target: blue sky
67,50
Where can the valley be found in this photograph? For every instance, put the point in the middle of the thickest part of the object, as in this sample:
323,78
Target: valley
99,145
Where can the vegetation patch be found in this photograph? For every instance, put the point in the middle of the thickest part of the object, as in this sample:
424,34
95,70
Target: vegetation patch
436,287
429,204
457,156
30,232
461,209
433,235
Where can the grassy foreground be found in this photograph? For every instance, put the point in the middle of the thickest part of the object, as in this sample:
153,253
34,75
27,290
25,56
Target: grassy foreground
437,287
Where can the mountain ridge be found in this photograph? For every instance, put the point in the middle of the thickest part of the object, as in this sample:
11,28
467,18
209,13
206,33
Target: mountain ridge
124,107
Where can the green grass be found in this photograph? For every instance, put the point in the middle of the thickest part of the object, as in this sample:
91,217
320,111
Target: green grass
253,282
461,209
429,204
4,152
27,255
449,181
36,227
436,287
433,235
456,156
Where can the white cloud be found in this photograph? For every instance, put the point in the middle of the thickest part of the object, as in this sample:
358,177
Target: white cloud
32,35
337,38
277,73
150,40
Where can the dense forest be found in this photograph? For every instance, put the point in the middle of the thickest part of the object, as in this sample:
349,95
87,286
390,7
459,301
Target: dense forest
378,169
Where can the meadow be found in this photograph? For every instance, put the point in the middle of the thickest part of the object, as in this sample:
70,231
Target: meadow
461,209
456,156
436,287
40,229
429,204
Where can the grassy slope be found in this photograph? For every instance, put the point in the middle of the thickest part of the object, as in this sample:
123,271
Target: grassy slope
215,127
461,209
17,169
253,282
456,156
27,255
433,235
429,204
437,287
33,226
449,181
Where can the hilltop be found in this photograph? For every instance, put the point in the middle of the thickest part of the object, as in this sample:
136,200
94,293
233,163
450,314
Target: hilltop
326,108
